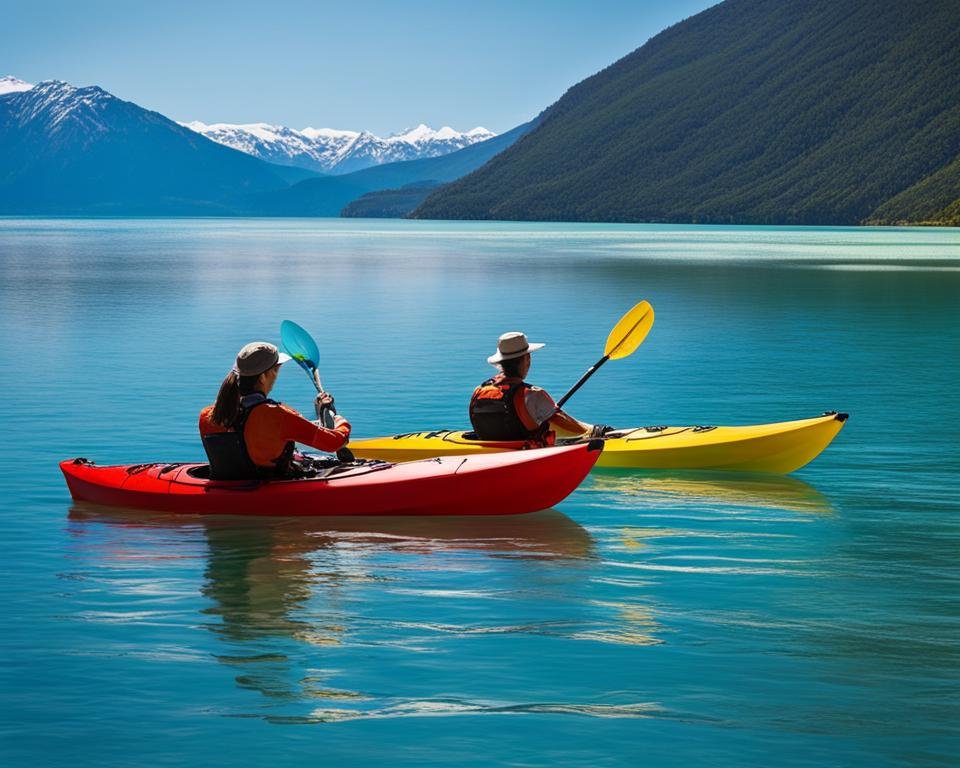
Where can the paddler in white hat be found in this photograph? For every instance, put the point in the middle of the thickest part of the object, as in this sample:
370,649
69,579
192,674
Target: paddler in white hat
506,407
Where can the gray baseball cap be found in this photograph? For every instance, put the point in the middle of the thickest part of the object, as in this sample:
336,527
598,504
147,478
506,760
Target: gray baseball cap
258,357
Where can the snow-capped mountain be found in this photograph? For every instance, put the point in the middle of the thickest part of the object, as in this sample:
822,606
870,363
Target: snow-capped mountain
334,151
311,149
82,150
11,84
52,108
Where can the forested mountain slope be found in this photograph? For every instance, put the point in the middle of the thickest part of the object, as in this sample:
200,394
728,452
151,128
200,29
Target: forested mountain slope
754,111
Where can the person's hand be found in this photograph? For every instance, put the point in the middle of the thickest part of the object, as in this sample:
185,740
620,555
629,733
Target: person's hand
324,399
600,430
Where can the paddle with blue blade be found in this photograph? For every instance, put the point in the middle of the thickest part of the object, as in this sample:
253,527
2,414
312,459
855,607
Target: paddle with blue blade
301,347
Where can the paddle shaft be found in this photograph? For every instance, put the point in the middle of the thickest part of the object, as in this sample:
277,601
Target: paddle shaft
626,336
326,413
583,380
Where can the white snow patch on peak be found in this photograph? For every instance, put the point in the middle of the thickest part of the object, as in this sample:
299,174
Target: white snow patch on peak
58,89
419,133
53,86
328,133
198,125
56,103
424,133
446,133
11,84
264,131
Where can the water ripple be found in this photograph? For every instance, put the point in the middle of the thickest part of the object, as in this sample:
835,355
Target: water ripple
716,570
457,708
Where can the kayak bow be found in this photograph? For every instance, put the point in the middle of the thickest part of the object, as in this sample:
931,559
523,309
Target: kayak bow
780,448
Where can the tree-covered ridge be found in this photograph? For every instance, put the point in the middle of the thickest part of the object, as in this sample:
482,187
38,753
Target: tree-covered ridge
933,200
754,111
389,203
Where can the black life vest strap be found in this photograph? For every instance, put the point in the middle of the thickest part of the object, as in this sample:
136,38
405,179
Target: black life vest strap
227,451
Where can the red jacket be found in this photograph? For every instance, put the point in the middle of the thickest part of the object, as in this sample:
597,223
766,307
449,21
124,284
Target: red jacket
271,426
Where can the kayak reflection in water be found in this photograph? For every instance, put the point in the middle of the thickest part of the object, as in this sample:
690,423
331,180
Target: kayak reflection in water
247,435
506,407
308,579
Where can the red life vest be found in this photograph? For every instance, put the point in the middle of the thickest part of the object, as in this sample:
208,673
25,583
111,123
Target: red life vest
498,412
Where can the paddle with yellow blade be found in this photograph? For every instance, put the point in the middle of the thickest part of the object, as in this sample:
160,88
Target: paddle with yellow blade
622,342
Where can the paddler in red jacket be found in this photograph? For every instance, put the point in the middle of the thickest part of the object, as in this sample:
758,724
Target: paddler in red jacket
246,435
506,407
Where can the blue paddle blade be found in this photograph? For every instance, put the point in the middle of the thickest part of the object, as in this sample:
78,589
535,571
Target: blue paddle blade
299,345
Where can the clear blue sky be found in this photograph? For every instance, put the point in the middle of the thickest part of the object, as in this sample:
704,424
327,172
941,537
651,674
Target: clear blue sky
379,66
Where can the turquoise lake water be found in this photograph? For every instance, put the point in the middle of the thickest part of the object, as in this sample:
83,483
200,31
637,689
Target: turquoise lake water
650,619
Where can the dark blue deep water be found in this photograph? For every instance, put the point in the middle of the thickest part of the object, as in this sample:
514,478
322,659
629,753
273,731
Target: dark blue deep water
650,619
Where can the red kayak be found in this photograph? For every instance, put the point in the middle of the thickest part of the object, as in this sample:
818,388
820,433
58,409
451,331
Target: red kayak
482,484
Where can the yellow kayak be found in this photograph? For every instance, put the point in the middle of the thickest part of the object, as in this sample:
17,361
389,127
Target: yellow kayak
780,448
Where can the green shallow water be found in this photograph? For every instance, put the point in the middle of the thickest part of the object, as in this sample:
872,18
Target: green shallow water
651,618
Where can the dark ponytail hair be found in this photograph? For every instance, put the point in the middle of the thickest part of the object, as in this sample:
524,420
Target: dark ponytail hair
226,408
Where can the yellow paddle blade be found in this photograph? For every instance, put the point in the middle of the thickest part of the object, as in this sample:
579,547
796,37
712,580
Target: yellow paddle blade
632,329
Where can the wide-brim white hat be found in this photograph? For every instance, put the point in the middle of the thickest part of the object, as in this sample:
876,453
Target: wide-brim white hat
512,345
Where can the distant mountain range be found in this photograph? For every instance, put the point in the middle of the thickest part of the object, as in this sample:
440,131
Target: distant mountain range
754,112
751,112
82,151
68,150
329,195
330,151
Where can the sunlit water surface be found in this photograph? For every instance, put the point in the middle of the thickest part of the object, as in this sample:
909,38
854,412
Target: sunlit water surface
650,619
